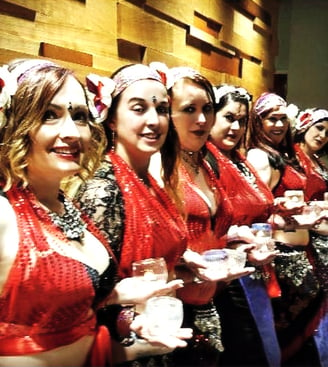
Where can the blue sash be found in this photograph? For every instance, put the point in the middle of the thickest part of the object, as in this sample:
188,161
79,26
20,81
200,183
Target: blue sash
261,309
321,340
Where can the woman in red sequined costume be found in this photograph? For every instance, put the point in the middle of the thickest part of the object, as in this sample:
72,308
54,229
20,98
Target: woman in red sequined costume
208,210
252,201
52,258
56,268
299,313
143,218
311,138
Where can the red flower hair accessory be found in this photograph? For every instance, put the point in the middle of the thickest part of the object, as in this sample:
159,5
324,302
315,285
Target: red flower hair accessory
171,76
309,117
99,92
161,69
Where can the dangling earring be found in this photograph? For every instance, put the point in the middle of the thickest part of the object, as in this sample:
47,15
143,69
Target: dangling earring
113,140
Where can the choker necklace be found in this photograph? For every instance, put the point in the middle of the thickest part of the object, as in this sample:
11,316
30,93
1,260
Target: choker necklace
70,222
192,159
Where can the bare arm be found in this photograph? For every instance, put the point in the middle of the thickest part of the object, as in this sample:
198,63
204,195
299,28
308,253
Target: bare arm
8,238
260,161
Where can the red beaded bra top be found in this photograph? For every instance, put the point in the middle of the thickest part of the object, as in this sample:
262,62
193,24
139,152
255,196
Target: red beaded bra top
251,198
205,231
290,179
316,185
47,299
153,226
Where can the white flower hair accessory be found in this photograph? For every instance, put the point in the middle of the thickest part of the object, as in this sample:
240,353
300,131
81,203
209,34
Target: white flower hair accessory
226,89
8,87
99,92
292,110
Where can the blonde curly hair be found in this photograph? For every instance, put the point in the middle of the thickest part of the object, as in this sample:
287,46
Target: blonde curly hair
34,93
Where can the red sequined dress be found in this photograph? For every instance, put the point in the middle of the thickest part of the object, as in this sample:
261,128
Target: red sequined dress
48,298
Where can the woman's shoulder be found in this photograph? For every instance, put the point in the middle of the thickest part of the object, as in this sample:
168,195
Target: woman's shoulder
256,152
257,157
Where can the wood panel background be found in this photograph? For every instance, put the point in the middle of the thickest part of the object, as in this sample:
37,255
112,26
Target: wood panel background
233,41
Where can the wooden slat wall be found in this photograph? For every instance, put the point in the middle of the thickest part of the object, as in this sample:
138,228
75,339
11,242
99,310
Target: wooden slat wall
232,41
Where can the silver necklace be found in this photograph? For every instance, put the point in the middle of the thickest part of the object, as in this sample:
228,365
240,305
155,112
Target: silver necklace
70,222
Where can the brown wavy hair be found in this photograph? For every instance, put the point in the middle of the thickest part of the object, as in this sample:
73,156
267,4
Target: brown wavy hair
279,155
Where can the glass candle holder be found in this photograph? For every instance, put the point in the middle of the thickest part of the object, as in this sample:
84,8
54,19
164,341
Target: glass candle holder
151,270
164,315
293,197
217,261
263,236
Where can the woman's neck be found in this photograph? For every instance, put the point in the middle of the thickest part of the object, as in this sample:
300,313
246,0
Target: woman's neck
228,154
192,160
139,164
47,194
309,152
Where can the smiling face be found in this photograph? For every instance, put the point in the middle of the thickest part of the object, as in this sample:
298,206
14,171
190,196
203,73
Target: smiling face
59,142
141,121
316,137
275,125
229,126
192,114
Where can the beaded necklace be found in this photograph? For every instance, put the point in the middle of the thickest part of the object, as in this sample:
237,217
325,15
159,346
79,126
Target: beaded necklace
70,222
